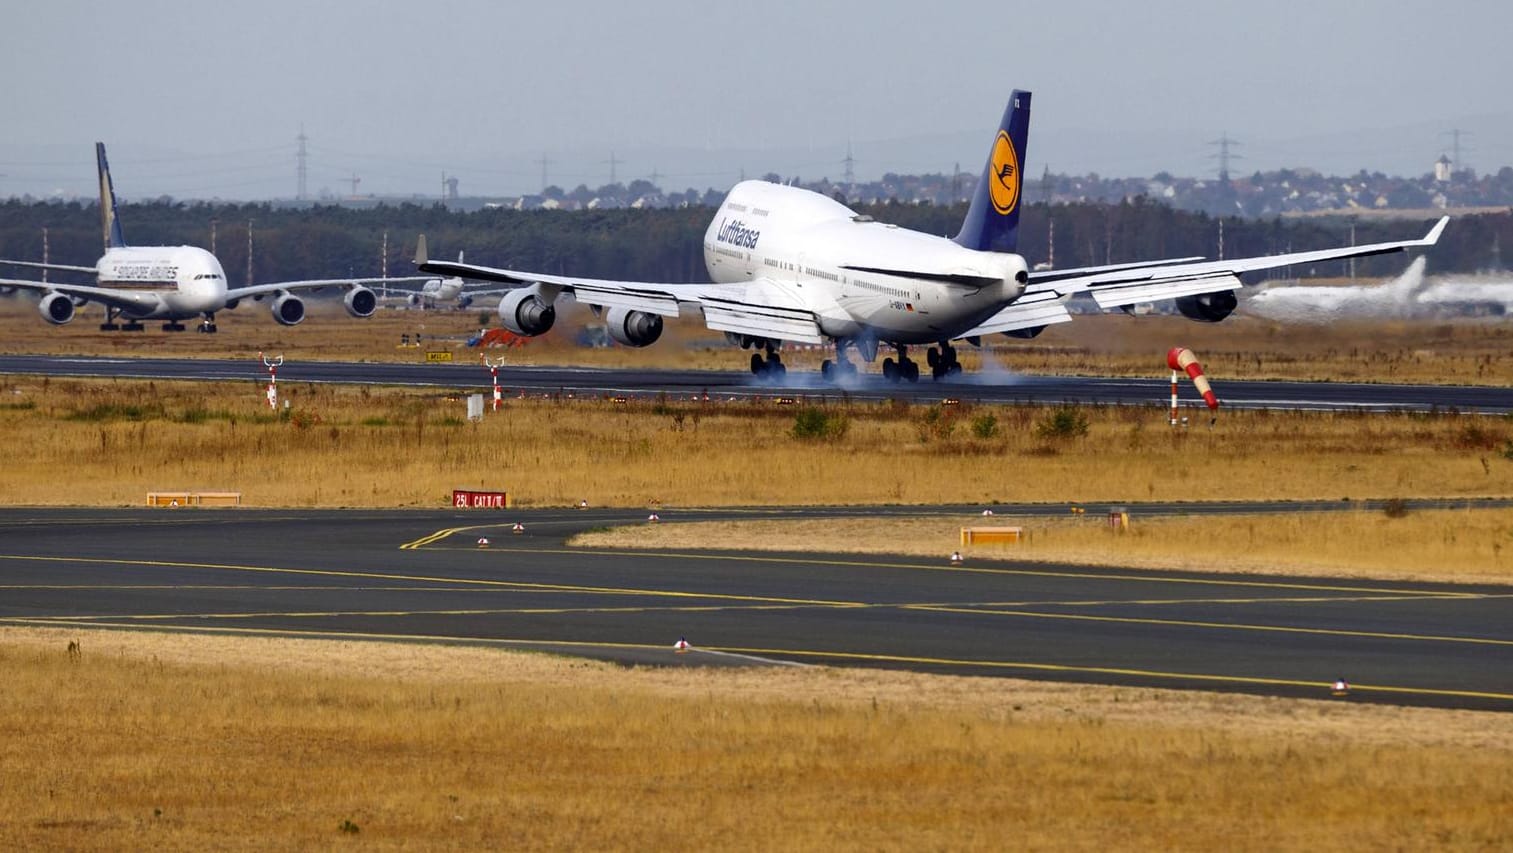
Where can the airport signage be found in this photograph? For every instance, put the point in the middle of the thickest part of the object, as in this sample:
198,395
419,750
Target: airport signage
438,355
473,499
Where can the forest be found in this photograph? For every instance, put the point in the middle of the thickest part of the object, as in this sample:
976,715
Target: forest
331,241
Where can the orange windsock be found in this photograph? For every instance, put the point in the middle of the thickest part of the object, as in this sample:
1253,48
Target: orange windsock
1182,358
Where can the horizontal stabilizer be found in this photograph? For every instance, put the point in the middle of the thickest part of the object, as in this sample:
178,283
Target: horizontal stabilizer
943,278
1022,316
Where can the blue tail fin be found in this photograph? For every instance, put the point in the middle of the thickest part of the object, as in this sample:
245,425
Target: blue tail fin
992,223
109,224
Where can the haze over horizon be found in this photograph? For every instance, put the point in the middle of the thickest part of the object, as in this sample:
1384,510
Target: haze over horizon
205,101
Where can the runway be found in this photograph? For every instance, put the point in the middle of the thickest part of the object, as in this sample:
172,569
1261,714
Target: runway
420,576
594,382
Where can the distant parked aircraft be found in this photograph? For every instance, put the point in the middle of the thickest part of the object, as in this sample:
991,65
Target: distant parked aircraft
169,283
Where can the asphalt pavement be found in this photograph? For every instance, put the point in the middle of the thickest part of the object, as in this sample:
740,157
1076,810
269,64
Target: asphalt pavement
421,576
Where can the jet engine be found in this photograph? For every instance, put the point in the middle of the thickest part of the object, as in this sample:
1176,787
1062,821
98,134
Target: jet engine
524,312
56,308
360,301
288,309
633,328
1208,307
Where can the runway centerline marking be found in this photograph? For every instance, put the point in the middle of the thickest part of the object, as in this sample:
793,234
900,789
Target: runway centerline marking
488,611
1000,665
479,582
828,560
1157,602
1183,623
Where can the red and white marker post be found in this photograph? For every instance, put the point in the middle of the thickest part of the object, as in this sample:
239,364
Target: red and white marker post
494,372
1181,359
272,364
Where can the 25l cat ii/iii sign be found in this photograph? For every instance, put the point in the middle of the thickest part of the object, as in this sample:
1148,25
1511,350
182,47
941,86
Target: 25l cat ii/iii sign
471,499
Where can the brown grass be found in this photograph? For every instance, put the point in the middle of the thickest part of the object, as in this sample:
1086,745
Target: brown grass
394,447
1470,352
1468,546
199,742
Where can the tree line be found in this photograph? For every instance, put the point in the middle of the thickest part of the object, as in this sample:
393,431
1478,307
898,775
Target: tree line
665,245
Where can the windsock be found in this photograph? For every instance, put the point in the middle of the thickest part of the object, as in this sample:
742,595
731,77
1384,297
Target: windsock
1182,358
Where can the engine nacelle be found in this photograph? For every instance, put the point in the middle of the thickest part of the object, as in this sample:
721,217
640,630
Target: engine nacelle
633,328
1208,307
524,312
288,309
56,308
360,301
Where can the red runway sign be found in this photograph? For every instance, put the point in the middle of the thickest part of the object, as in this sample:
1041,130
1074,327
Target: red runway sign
469,499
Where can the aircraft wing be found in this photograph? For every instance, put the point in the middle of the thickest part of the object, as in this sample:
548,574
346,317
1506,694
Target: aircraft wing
136,300
41,266
258,290
1120,285
761,308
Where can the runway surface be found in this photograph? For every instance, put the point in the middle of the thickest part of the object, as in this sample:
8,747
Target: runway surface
420,576
997,388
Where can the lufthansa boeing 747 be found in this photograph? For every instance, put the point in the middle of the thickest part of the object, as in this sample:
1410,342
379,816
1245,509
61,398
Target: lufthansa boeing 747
789,264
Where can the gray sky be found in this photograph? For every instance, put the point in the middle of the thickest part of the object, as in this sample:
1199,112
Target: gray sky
205,99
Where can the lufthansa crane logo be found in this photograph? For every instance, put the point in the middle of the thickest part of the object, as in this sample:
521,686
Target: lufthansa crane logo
1003,184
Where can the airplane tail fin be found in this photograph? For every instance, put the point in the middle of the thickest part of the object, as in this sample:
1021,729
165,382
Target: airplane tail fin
992,223
110,225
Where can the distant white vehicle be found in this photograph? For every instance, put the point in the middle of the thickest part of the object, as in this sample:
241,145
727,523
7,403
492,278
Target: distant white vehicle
789,264
169,283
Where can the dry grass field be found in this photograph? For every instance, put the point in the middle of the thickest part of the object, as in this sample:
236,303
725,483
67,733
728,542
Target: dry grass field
203,742
1473,352
112,442
1466,546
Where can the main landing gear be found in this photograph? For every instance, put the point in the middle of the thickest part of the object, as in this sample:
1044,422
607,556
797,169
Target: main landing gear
903,370
943,362
207,326
841,368
770,367
110,324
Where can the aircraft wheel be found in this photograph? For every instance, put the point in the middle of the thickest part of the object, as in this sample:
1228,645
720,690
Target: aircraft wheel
932,357
910,371
758,364
827,369
890,370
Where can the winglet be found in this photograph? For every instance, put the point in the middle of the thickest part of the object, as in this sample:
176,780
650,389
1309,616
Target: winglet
1438,229
420,251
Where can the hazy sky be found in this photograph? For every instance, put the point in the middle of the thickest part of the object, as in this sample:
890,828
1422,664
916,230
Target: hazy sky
205,99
